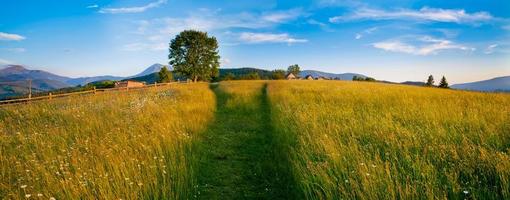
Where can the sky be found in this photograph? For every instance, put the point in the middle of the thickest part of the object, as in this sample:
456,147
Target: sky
401,40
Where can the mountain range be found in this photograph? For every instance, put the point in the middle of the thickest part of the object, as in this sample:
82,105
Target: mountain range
14,79
499,84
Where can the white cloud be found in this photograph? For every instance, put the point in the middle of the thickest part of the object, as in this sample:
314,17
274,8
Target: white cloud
139,46
365,32
5,62
138,9
225,61
282,16
424,14
429,46
93,6
10,36
17,50
491,48
269,38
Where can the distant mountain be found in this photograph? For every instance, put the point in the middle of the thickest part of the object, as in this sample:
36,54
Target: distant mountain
495,84
86,80
14,79
344,76
152,69
18,72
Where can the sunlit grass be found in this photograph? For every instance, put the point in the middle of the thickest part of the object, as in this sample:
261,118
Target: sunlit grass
353,140
118,145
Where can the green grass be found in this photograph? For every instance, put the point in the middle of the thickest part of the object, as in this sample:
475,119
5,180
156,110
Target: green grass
239,157
260,140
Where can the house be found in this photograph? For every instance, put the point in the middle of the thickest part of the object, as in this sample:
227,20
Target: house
129,84
308,77
290,76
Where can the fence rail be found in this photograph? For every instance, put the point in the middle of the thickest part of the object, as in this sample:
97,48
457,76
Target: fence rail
92,91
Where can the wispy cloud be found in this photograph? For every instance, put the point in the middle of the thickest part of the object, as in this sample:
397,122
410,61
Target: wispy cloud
269,38
282,16
365,32
138,9
459,16
145,46
159,30
5,62
17,50
490,49
10,36
93,6
429,46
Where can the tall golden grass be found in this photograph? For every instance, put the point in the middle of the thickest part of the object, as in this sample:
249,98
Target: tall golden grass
118,145
351,140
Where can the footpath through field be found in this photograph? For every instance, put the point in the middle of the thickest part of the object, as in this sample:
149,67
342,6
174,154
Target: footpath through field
238,154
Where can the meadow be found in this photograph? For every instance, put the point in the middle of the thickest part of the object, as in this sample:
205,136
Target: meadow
260,140
117,145
348,140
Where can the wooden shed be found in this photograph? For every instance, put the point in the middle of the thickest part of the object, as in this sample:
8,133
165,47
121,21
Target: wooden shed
309,77
129,84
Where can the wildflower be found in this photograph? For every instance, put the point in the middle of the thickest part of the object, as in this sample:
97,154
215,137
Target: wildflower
362,164
39,195
466,192
368,174
140,184
23,186
52,198
373,166
28,195
346,181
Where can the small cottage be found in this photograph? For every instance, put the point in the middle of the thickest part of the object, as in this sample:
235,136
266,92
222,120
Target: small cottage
128,84
309,77
290,76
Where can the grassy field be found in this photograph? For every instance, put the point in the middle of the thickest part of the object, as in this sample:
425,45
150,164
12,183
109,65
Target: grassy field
349,140
260,140
110,146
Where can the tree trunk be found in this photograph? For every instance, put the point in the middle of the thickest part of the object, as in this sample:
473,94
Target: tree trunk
195,79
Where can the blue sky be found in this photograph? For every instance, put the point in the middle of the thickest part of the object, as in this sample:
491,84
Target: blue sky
397,41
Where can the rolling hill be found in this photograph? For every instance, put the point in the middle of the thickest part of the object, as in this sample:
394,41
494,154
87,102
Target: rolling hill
14,80
495,84
344,76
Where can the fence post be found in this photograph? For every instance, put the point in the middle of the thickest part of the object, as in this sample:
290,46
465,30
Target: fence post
155,84
50,97
95,90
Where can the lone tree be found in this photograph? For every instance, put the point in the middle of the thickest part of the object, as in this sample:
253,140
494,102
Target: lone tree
195,55
164,75
430,81
294,69
443,83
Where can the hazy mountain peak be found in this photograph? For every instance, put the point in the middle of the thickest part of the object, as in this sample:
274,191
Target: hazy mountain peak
10,69
151,69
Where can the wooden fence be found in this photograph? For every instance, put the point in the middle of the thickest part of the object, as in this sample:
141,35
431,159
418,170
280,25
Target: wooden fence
92,91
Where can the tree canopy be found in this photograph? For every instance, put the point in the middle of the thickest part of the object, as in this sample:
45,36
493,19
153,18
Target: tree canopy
294,69
430,81
164,75
195,55
443,83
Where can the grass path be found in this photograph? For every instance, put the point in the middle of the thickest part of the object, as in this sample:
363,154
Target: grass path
238,155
